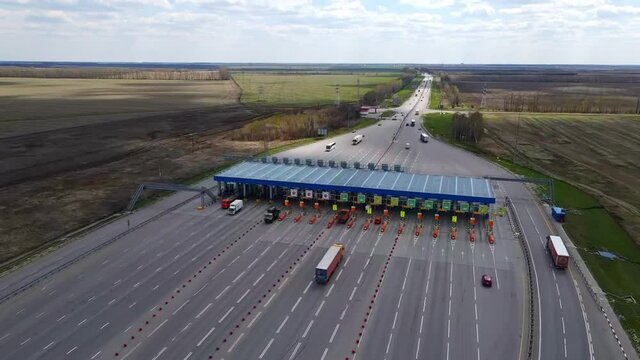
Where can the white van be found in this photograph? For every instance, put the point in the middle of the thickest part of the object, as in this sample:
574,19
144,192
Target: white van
330,146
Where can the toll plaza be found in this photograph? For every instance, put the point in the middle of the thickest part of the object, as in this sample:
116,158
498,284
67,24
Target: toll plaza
371,186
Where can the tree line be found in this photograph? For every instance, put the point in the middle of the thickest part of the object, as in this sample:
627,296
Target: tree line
468,127
115,73
385,91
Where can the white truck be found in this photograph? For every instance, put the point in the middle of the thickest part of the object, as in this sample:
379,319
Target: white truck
235,206
357,139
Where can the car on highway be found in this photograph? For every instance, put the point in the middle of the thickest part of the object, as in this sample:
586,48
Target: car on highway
407,146
377,220
379,124
486,280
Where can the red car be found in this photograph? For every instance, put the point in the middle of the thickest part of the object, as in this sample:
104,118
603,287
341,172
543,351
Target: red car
486,280
377,220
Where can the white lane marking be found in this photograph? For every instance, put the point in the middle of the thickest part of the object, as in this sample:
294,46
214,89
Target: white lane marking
179,308
295,351
61,317
272,264
203,310
346,262
389,343
418,349
226,314
222,292
48,346
205,337
112,301
156,329
243,295
158,269
307,288
399,300
393,326
186,327
132,305
127,329
565,347
235,342
176,272
24,342
339,273
82,322
477,334
252,263
320,308
257,281
324,353
265,349
104,325
344,312
218,274
140,267
421,322
155,287
269,301
557,289
72,350
39,315
96,354
562,318
136,285
282,324
367,263
117,282
160,353
330,289
447,350
353,292
560,301
234,260
254,319
202,288
282,284
449,329
296,304
335,330
306,331
19,311
188,355
91,299
131,351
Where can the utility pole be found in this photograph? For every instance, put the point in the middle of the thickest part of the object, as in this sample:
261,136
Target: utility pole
638,106
483,103
517,135
337,95
358,90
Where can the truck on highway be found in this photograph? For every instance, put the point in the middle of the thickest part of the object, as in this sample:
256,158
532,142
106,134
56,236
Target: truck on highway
235,206
559,253
343,216
271,214
413,122
417,112
224,204
424,137
329,262
357,139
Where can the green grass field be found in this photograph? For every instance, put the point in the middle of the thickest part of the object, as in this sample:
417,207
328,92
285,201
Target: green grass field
436,95
590,227
306,89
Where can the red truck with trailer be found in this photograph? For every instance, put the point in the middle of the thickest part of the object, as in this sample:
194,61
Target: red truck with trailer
343,216
559,253
327,266
224,204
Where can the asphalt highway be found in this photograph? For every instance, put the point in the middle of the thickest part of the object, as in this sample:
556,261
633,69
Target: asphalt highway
205,285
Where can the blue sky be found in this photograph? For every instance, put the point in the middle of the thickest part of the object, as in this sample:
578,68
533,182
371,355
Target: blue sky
372,31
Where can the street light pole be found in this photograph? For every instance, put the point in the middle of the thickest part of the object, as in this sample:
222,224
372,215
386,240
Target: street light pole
517,135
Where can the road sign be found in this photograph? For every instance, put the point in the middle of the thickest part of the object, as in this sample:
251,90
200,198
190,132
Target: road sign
464,206
369,210
483,209
334,207
361,198
395,201
344,197
377,200
501,211
402,214
428,204
454,219
308,194
446,205
325,195
411,203
293,193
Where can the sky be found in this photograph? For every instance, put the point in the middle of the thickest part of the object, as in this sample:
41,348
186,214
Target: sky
323,31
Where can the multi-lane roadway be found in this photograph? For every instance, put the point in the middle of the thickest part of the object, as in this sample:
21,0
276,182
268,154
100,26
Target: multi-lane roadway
201,284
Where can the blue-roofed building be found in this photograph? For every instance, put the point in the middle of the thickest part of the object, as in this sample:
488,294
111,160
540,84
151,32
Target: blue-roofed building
274,179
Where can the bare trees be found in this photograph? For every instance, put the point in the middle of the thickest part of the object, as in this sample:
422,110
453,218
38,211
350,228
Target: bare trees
468,127
115,73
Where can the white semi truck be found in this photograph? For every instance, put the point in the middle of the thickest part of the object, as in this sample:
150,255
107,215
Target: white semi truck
235,206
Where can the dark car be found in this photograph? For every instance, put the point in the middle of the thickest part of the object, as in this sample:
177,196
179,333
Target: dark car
377,220
486,280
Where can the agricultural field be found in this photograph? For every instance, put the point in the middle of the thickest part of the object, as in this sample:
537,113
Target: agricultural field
74,150
36,104
547,90
304,89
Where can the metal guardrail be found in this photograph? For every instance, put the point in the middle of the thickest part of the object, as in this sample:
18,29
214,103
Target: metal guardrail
517,230
88,252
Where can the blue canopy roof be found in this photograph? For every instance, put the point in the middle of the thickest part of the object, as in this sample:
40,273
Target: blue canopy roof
376,182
